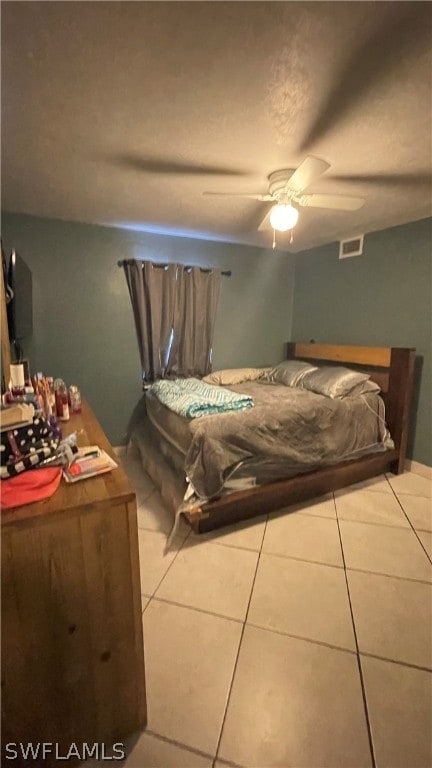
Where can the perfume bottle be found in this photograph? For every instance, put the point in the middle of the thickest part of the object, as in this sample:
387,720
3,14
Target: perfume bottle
61,400
75,399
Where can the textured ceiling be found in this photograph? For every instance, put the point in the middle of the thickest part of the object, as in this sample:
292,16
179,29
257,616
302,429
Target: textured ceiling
125,112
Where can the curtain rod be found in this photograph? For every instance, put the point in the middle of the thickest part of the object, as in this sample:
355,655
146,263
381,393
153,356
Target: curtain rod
226,273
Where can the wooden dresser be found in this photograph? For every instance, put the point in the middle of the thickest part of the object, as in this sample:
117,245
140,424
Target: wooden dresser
72,645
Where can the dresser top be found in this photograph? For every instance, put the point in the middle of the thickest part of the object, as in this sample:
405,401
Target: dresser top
107,488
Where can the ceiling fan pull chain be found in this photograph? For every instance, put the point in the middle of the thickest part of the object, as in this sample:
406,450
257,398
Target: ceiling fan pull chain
291,238
274,238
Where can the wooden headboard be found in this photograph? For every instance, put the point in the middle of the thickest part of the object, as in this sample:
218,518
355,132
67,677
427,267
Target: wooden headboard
392,368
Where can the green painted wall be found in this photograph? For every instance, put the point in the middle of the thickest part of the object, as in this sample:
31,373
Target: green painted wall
83,326
380,298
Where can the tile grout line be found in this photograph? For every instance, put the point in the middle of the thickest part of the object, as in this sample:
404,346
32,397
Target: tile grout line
306,560
232,546
375,523
201,540
302,638
176,743
341,567
153,597
199,610
287,634
181,605
350,520
407,493
280,632
429,556
303,560
244,622
150,598
239,647
408,664
228,763
390,576
340,648
169,567
411,525
366,711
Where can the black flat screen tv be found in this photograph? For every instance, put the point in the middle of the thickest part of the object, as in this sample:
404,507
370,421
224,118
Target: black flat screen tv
20,306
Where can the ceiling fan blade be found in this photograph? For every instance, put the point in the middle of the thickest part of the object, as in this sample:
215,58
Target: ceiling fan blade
335,202
173,166
265,223
388,179
308,171
250,196
403,34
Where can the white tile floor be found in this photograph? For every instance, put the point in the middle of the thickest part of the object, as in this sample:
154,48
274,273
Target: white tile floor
300,639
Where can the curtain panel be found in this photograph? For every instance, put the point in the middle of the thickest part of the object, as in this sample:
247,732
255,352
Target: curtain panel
152,292
174,311
194,321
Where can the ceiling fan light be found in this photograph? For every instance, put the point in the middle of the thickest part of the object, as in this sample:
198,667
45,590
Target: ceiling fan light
283,217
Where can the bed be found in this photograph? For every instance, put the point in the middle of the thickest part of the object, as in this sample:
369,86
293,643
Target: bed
246,479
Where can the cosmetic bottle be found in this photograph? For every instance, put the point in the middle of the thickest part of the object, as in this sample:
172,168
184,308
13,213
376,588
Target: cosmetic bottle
58,403
75,399
61,400
65,405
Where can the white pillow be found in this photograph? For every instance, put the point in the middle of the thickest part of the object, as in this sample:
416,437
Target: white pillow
234,376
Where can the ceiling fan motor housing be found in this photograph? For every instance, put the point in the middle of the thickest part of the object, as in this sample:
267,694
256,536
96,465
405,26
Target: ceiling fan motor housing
278,183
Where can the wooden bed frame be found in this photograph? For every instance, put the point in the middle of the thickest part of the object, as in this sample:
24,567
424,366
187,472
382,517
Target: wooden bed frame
390,367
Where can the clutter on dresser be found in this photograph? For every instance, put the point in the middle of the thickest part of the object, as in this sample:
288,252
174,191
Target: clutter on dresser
88,462
29,487
26,445
48,395
17,377
16,415
31,411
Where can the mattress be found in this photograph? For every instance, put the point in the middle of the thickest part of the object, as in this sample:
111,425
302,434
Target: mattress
288,431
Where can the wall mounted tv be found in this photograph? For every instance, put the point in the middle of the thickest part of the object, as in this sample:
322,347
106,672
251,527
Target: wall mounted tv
20,306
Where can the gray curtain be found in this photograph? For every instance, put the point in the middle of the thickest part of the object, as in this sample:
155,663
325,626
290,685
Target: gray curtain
195,314
152,290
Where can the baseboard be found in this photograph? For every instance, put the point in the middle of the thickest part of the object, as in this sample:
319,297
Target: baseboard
418,469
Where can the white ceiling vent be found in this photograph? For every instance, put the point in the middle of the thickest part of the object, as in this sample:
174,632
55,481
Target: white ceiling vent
351,247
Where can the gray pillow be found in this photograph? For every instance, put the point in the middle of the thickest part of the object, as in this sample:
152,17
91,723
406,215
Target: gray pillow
334,381
290,372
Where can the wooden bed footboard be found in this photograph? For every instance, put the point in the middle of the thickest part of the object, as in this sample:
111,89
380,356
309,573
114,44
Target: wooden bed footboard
390,367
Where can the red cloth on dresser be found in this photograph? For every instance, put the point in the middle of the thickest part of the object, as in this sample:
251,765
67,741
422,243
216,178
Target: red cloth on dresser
30,486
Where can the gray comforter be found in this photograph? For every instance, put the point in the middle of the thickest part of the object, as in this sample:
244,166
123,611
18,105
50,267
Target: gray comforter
287,431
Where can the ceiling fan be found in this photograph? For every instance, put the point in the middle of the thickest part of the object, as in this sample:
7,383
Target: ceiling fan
286,192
